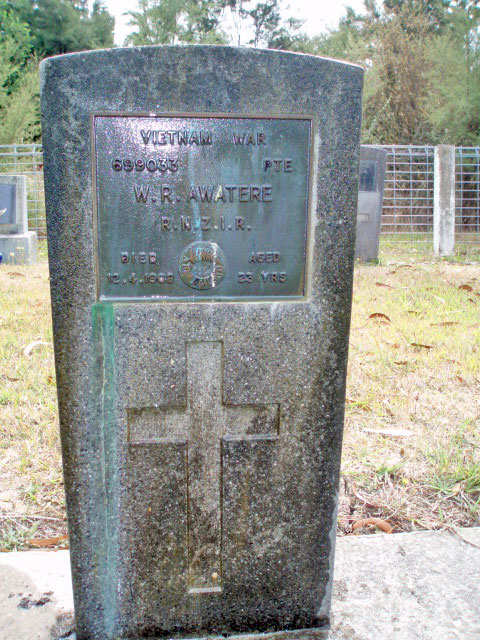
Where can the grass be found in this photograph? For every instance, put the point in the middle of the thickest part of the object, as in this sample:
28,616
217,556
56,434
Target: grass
15,535
412,445
419,247
30,463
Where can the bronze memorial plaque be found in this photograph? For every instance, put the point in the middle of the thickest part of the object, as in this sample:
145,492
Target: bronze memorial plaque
211,207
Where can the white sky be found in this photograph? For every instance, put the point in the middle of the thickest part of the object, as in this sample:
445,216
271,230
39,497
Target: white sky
318,14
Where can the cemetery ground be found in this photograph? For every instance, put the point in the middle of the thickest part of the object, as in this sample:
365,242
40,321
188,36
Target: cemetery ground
411,457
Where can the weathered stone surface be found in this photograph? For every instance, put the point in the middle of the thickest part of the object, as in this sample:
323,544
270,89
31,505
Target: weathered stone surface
19,248
13,204
201,440
420,585
17,244
373,162
35,595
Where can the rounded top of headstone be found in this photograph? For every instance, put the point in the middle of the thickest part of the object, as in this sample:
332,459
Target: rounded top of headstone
194,78
210,50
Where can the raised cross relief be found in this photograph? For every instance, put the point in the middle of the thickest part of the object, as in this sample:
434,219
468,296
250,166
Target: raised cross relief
202,425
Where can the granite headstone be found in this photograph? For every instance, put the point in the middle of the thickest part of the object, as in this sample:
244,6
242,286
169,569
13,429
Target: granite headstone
201,207
17,244
373,163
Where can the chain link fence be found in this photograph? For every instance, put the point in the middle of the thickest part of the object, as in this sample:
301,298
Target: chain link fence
408,199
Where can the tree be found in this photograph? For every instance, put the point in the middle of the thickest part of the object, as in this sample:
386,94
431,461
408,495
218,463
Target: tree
422,82
199,21
346,42
264,22
422,68
62,26
19,94
269,27
30,30
453,107
101,26
434,11
392,43
396,81
172,21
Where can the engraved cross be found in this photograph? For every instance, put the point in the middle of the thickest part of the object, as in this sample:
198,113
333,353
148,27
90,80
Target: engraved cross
202,426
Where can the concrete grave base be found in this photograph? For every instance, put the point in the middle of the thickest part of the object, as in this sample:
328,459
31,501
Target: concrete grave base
411,585
26,242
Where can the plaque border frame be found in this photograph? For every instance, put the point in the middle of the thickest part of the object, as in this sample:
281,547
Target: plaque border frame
220,299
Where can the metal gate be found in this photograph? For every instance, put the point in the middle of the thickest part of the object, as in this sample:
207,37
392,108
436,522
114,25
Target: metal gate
467,194
408,197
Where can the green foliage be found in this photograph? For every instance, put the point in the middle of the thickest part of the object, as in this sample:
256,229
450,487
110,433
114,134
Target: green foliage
199,21
268,26
435,12
20,108
12,28
172,21
265,22
421,57
434,55
62,26
422,68
101,25
455,56
19,95
30,30
453,108
397,81
347,42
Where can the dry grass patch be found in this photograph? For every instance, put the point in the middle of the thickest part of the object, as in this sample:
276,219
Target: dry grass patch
31,486
412,445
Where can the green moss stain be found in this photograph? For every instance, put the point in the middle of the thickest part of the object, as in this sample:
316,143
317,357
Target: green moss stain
103,326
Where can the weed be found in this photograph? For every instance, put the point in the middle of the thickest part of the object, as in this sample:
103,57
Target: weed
388,470
14,536
31,492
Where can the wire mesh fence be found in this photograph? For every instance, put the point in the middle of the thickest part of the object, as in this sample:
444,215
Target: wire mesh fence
27,160
408,198
467,194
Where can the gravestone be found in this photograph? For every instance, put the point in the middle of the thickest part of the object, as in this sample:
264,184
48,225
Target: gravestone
18,245
201,221
373,163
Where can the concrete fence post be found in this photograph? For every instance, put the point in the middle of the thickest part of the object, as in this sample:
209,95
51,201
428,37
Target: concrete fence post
444,200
